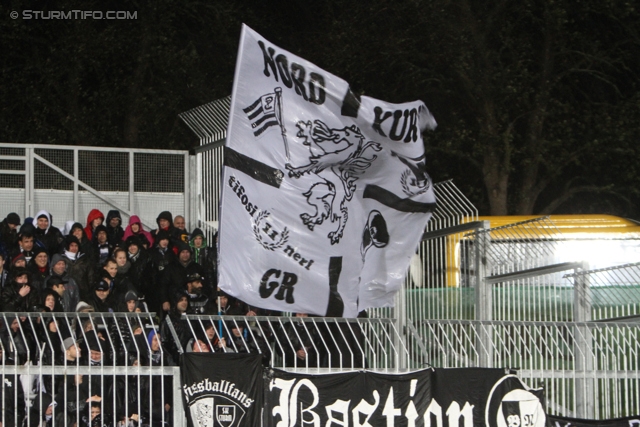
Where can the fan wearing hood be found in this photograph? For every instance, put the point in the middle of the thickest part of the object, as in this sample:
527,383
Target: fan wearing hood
79,266
205,256
94,219
9,233
115,232
135,229
73,293
46,233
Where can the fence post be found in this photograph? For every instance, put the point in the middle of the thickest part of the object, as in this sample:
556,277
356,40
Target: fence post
585,397
76,178
28,176
132,176
400,314
484,295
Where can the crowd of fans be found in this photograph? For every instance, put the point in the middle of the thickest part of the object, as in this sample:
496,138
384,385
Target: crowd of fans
102,267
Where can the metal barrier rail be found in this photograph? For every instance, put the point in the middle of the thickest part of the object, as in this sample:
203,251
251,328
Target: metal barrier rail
588,369
299,343
66,367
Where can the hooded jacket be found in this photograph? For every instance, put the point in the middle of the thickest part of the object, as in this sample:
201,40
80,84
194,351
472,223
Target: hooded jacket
72,293
114,234
128,232
206,257
94,214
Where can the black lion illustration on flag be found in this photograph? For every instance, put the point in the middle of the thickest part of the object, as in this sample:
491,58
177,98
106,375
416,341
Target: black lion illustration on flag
337,157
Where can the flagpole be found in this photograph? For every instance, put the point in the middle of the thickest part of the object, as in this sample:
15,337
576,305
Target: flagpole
278,110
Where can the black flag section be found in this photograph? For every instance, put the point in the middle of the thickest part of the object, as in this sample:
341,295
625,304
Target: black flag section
335,307
350,105
391,200
253,168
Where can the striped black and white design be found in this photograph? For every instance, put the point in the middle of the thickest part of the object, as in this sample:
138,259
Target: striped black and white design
262,113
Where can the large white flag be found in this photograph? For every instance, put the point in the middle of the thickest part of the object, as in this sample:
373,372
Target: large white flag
325,194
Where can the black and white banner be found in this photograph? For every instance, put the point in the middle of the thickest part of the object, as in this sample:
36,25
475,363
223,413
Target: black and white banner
325,195
222,390
441,397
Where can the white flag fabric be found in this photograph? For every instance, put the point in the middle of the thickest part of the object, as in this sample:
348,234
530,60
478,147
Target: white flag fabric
325,195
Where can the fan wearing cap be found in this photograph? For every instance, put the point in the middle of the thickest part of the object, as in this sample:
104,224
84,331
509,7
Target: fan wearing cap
46,233
199,302
9,232
18,261
19,295
101,300
176,273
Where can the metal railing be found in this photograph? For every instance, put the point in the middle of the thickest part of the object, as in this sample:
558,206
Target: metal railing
69,181
612,292
589,370
67,367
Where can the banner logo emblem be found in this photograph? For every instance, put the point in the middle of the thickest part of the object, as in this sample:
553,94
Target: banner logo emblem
266,235
226,415
202,412
513,404
337,157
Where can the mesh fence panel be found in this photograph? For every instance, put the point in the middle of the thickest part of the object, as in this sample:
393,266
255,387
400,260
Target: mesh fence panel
158,173
104,171
12,181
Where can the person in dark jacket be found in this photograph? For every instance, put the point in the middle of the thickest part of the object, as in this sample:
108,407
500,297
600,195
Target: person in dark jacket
19,296
9,233
4,273
176,273
39,268
123,268
101,245
11,392
206,256
243,341
79,266
161,256
302,345
101,300
46,233
140,270
179,306
165,223
161,400
115,232
199,301
73,294
26,242
86,246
